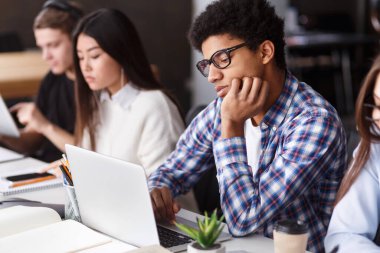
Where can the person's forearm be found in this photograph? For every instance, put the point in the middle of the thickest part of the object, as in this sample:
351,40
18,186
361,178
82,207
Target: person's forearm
28,142
58,136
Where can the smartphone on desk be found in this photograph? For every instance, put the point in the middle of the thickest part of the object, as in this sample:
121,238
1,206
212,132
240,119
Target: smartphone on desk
29,178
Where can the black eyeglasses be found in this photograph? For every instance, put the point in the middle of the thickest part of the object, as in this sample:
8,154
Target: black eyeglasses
221,59
370,108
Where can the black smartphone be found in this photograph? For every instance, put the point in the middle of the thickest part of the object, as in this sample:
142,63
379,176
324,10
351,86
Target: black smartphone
28,176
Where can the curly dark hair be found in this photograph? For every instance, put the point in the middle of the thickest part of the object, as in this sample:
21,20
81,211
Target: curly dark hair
254,21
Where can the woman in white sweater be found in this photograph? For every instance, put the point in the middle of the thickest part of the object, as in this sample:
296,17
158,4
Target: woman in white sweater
356,216
122,110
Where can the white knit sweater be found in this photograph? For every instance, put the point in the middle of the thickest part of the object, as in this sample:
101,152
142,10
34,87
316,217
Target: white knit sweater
138,126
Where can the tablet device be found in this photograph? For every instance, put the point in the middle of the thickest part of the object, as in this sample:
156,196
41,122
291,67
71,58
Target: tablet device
7,125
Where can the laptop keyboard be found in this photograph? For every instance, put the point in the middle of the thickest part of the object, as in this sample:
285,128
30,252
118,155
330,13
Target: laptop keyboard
169,238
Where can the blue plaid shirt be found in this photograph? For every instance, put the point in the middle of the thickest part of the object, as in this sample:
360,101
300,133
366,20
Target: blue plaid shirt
302,161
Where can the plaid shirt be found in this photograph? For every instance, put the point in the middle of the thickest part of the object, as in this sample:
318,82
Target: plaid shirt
301,164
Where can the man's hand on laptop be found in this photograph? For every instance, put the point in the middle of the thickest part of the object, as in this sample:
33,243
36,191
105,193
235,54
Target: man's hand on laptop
164,206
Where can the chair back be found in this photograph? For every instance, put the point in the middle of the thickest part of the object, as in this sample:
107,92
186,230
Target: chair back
10,42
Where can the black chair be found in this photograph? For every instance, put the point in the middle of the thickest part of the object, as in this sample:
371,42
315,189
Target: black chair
206,190
10,42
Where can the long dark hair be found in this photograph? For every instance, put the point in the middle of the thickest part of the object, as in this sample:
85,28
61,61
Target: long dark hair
117,36
364,127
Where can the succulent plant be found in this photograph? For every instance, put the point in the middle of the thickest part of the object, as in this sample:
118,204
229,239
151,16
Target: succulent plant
209,230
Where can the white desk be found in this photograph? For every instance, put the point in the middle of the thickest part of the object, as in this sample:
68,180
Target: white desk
251,244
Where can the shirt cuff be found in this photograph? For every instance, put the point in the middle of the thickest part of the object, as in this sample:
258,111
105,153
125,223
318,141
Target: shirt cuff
231,150
154,183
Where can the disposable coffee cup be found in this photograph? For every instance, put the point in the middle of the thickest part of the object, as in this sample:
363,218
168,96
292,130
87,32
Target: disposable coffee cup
290,236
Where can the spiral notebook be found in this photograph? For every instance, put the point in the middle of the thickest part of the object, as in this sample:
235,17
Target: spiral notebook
6,189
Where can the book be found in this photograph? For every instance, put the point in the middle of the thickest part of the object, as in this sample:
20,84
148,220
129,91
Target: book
7,189
40,229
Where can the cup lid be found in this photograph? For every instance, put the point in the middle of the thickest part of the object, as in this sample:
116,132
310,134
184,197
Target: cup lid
294,227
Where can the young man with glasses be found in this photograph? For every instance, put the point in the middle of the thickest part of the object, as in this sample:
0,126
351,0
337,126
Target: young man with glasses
279,147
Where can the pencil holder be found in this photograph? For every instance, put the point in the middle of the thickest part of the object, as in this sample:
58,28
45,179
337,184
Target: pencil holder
71,205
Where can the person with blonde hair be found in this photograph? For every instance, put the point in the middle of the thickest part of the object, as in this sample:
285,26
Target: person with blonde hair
49,121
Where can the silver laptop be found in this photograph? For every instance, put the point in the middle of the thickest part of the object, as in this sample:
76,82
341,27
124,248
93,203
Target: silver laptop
7,125
113,198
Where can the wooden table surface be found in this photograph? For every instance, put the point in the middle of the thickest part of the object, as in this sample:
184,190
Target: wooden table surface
21,73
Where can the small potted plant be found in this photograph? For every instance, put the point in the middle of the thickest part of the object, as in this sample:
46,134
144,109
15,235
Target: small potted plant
205,236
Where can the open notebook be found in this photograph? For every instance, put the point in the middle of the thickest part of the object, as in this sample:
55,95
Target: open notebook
41,230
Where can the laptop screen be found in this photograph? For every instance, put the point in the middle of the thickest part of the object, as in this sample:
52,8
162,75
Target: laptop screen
113,196
7,126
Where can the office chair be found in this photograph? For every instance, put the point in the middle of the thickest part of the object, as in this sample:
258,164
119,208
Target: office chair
206,190
10,42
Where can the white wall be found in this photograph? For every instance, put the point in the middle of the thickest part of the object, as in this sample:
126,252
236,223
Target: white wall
202,91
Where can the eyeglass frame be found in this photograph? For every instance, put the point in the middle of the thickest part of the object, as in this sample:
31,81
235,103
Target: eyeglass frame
210,61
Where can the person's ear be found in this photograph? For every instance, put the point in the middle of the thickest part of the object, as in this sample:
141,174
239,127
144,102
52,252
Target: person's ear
267,51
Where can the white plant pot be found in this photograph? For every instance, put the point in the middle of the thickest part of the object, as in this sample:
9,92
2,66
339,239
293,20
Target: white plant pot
196,248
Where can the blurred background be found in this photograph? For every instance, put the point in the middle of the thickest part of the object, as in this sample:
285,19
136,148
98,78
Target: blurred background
330,44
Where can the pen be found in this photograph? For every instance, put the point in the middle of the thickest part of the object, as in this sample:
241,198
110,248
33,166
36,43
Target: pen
31,181
66,174
65,159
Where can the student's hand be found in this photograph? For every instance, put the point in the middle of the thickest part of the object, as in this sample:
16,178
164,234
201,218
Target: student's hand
53,168
245,99
164,206
29,115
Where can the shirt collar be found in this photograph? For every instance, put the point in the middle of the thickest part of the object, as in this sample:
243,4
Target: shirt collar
276,114
124,97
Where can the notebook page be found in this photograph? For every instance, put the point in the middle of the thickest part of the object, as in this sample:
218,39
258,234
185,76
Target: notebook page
17,219
65,236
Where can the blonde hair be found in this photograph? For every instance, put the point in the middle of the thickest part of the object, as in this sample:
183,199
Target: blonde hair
56,18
